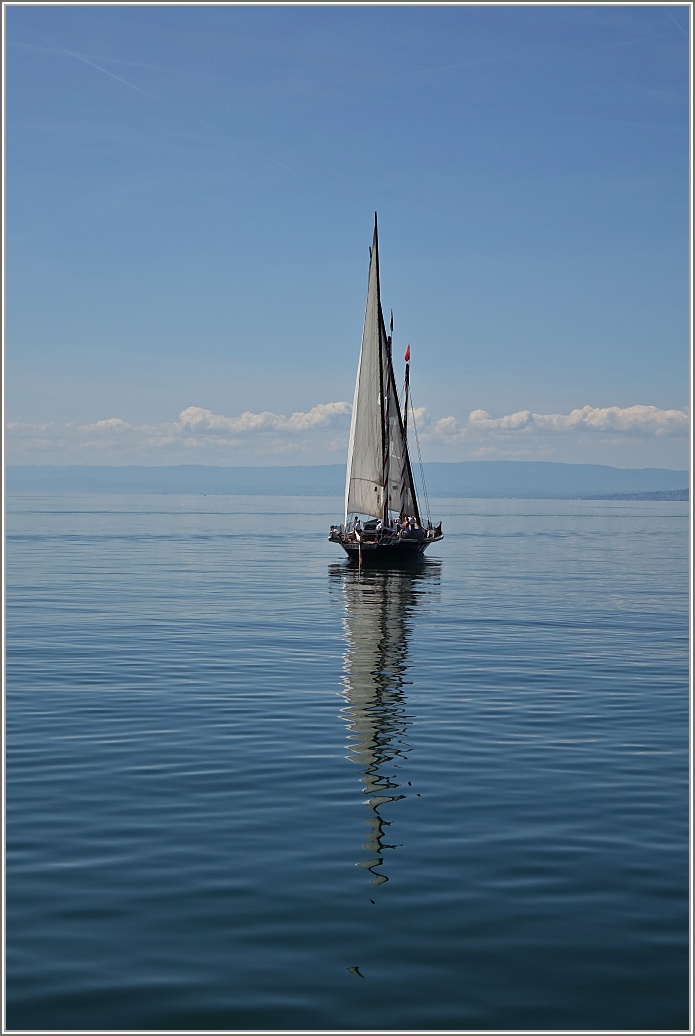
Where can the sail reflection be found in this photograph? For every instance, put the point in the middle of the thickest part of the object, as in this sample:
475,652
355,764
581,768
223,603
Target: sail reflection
379,613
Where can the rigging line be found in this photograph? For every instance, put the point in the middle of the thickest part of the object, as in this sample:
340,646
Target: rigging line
422,467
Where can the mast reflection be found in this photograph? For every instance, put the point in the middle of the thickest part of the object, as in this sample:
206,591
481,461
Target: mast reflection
379,613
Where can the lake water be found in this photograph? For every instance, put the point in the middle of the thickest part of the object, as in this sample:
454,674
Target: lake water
249,787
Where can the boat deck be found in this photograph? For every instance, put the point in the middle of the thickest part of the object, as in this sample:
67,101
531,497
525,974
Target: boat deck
372,546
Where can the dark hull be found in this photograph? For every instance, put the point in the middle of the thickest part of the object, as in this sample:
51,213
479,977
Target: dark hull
393,552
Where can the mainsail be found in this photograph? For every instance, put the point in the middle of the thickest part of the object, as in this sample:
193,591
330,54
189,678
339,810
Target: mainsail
379,478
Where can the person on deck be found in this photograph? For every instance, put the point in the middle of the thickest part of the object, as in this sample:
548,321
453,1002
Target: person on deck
417,532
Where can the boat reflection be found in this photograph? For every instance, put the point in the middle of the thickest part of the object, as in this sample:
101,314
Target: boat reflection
379,614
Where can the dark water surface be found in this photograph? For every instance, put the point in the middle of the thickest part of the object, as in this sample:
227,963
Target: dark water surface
249,788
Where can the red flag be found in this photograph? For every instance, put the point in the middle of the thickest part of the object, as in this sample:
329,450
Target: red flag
407,354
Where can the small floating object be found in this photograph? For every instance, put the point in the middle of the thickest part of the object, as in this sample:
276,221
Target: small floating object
355,971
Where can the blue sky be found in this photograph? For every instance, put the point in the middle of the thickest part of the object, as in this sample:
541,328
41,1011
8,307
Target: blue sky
189,202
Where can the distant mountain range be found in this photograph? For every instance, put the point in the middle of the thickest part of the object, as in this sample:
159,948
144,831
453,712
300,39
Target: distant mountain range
491,479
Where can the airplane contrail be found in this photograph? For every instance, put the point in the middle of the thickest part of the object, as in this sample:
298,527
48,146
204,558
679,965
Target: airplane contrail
678,24
168,104
458,64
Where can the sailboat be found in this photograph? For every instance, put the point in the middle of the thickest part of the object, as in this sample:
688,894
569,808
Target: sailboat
382,523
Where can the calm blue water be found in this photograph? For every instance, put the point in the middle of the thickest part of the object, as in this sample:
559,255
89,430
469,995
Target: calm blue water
249,788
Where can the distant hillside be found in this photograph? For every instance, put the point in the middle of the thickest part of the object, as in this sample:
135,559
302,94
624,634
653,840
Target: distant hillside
539,479
660,494
324,480
493,479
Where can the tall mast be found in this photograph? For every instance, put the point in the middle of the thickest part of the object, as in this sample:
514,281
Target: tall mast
406,462
383,404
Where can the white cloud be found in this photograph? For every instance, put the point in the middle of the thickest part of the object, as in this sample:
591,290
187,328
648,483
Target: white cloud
109,425
199,421
197,434
635,420
320,435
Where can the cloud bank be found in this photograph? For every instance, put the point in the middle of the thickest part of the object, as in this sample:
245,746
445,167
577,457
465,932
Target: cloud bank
320,435
196,436
633,420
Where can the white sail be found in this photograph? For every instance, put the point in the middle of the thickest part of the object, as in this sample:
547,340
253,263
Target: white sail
401,495
372,470
365,465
